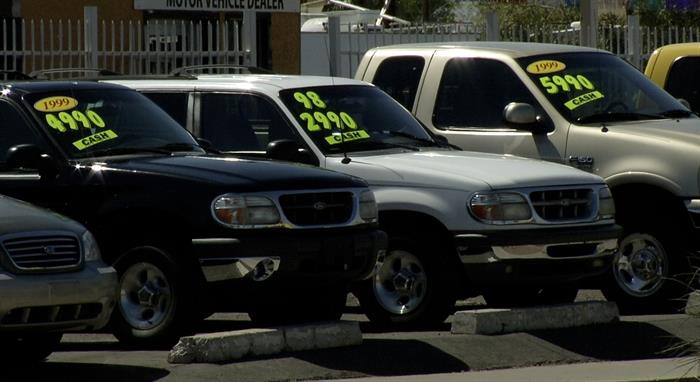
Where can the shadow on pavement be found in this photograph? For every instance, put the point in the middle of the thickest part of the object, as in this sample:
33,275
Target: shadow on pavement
617,342
82,372
383,357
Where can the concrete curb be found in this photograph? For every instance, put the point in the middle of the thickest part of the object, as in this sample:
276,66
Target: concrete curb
234,345
692,306
500,321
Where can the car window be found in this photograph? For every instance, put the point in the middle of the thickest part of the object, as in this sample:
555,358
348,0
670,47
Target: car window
399,77
92,122
14,130
594,87
684,81
241,122
174,104
473,93
351,118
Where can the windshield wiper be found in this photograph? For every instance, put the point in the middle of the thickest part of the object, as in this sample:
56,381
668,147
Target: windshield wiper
677,113
180,146
410,136
619,116
378,145
129,150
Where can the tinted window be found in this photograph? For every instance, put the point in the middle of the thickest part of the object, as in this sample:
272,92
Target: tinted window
592,87
345,118
399,77
474,92
241,122
13,130
684,81
174,104
99,122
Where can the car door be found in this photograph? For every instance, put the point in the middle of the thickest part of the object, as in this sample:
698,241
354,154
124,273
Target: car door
23,184
463,98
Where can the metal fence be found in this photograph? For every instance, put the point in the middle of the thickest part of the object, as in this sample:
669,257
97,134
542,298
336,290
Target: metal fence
339,50
345,45
129,47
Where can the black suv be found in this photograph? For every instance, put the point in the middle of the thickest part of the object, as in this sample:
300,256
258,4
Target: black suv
187,230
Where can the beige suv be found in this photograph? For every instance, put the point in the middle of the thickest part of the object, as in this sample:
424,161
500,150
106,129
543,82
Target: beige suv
575,105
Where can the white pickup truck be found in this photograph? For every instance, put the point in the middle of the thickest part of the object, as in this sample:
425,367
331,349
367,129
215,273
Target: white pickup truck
518,230
581,106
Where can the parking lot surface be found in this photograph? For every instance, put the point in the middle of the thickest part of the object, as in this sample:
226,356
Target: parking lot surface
91,357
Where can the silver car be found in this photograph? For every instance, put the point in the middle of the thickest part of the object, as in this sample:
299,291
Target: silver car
52,280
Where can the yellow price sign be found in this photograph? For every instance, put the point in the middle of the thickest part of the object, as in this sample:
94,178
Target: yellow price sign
346,137
545,66
583,99
55,104
83,143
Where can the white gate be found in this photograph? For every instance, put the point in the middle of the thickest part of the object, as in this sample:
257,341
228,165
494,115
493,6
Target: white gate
128,47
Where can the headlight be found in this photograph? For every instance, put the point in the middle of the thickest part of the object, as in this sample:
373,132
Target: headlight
368,206
500,208
90,247
245,211
606,204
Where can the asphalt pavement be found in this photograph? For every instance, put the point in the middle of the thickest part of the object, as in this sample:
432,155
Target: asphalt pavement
656,342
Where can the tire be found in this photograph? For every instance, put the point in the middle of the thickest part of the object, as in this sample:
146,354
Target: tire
412,288
524,297
153,304
647,274
28,349
313,307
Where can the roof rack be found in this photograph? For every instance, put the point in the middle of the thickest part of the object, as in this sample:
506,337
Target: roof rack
65,73
218,69
9,75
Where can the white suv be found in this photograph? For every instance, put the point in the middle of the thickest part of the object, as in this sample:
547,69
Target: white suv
518,231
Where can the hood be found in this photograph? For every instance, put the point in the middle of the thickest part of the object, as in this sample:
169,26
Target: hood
17,216
664,131
463,170
231,171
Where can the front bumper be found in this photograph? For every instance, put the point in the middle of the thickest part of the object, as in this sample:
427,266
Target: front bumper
70,301
538,256
334,256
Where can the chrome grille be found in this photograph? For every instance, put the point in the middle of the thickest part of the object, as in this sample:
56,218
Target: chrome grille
317,208
562,205
43,252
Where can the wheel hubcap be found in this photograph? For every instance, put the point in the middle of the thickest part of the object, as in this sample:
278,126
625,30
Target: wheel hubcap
640,265
146,296
400,283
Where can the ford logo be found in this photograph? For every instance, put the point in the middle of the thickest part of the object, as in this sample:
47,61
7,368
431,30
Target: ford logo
320,206
565,202
49,251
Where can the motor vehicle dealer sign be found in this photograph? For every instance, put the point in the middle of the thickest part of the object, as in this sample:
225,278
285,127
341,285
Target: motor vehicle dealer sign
220,5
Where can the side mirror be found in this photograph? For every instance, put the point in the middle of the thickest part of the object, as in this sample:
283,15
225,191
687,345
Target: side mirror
288,150
25,156
523,116
29,157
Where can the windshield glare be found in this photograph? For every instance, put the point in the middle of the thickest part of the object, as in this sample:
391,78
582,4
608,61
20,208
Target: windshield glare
587,85
86,123
367,118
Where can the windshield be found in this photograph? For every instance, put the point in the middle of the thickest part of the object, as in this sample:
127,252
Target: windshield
367,118
89,123
599,87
